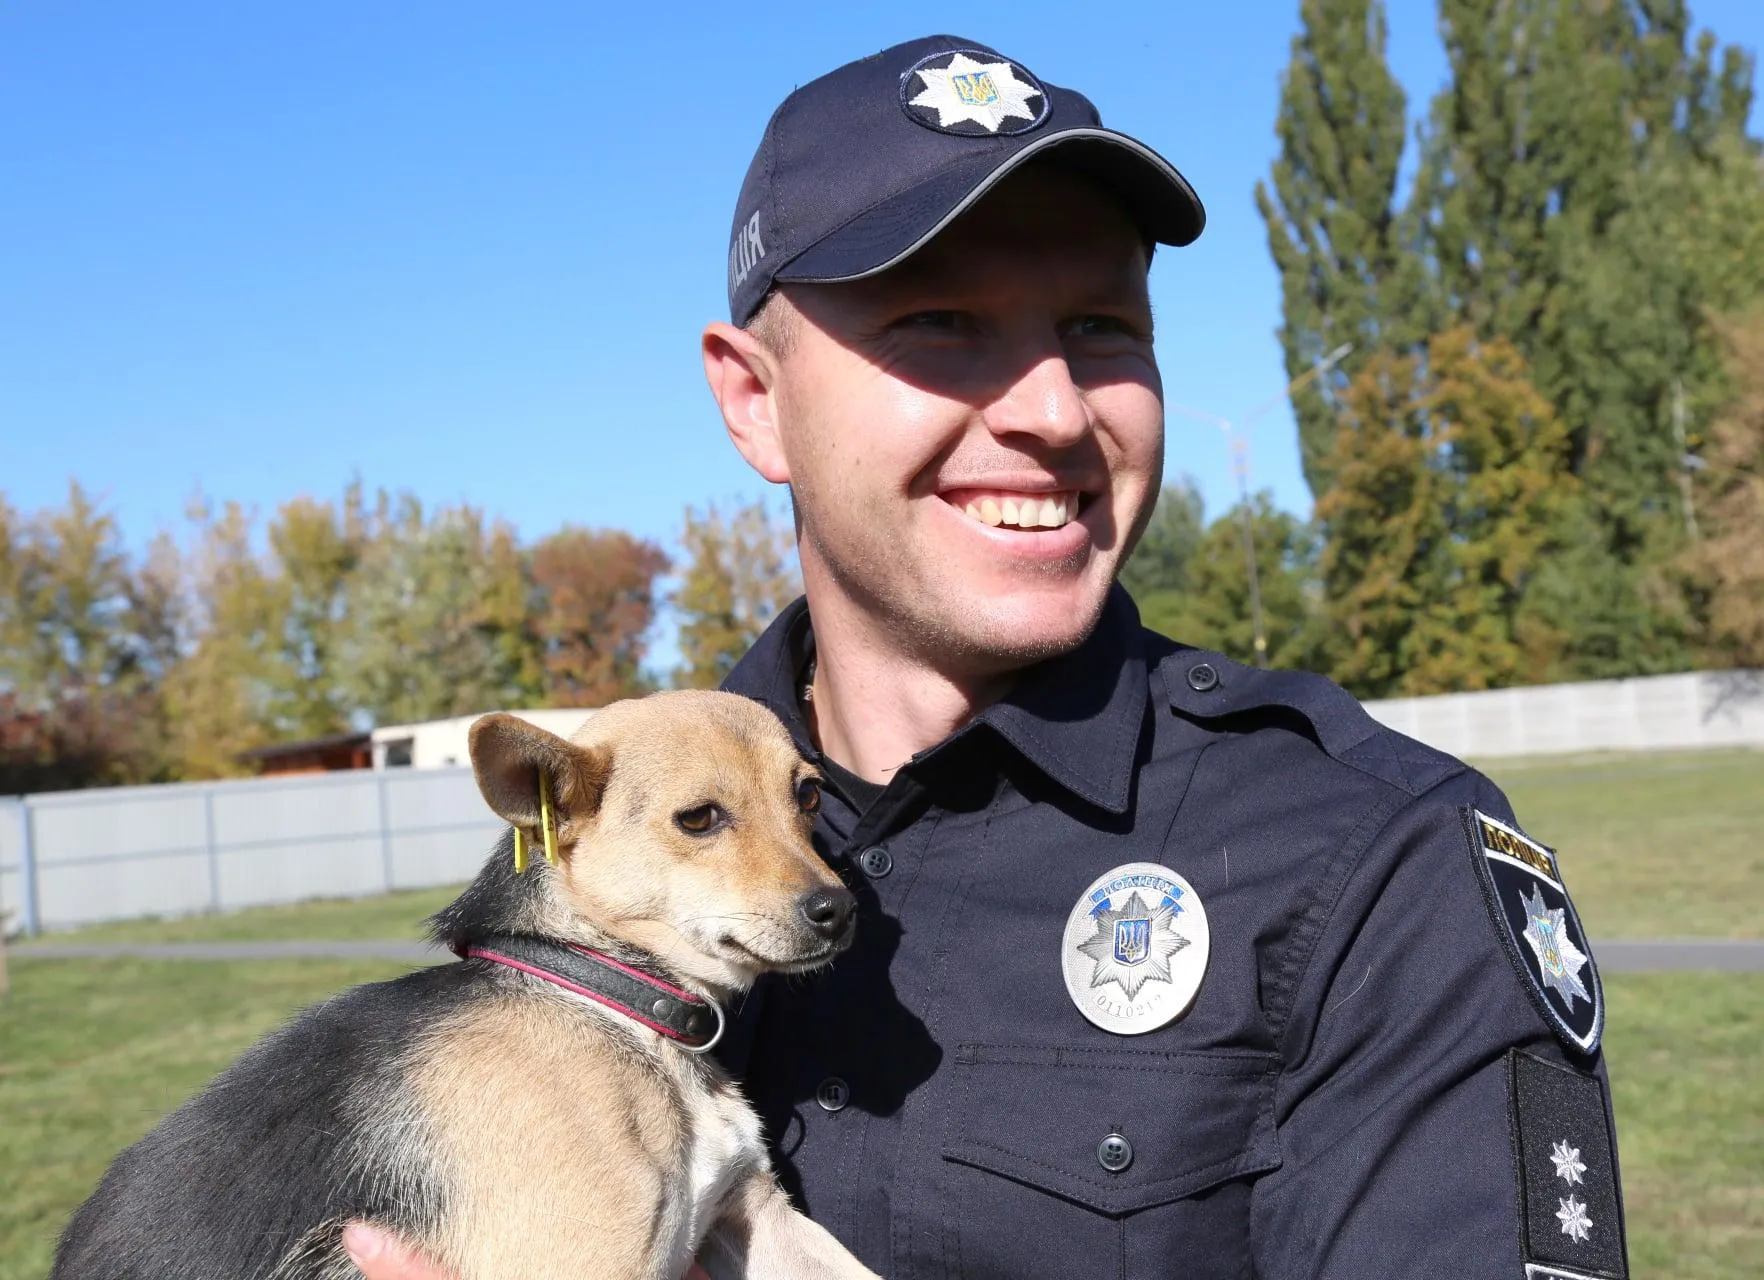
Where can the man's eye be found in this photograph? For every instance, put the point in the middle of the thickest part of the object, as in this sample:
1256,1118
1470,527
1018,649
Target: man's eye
932,321
1101,327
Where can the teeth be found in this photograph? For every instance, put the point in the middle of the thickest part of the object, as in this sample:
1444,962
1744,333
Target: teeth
1026,512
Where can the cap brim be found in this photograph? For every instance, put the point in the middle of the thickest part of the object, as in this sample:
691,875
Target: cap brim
1158,197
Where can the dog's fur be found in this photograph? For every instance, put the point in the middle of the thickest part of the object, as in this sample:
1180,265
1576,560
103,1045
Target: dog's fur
506,1127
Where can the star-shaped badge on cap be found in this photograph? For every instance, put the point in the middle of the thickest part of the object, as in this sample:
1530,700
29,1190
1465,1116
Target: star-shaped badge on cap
987,93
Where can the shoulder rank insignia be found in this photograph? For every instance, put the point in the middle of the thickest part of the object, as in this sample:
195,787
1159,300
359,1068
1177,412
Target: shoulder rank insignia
1538,928
1570,1203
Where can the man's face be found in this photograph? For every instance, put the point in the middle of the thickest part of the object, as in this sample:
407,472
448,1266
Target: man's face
974,438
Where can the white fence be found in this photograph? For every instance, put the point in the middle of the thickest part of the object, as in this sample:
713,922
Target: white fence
1651,713
80,857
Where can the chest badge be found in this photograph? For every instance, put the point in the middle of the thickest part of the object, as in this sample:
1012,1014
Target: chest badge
1135,949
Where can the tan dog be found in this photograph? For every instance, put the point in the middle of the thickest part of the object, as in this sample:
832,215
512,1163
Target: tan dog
543,1109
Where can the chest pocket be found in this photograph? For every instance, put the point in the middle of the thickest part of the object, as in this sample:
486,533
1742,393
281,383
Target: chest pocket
1037,1186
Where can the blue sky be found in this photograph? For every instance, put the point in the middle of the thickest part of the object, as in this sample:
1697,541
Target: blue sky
466,250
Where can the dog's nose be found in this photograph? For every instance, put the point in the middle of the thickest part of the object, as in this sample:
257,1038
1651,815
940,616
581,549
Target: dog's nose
828,911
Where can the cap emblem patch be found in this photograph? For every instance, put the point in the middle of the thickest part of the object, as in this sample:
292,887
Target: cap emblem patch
972,94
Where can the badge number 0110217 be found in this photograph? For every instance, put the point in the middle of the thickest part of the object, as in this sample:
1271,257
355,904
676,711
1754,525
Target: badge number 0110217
1135,948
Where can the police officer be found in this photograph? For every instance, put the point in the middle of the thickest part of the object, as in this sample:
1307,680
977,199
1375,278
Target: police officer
1168,967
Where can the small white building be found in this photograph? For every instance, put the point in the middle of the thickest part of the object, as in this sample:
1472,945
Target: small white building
437,744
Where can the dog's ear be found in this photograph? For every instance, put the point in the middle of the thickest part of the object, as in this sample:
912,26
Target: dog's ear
508,755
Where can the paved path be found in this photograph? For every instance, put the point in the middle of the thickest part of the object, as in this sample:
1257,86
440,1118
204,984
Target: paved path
1632,956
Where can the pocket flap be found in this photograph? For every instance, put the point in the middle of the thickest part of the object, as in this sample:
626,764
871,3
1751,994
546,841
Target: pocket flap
1039,1116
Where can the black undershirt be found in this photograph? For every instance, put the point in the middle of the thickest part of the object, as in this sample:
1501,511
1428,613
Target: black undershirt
860,793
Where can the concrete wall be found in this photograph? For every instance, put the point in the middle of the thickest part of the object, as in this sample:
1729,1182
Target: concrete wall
1697,709
80,857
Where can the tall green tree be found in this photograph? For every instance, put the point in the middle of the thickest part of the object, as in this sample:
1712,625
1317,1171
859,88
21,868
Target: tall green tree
740,571
1450,495
1213,610
218,695
1553,181
432,628
1349,271
315,548
1160,563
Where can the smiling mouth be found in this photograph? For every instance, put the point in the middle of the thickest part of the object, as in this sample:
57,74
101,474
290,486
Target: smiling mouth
1006,509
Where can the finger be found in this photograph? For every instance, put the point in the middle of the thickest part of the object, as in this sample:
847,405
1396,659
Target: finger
380,1255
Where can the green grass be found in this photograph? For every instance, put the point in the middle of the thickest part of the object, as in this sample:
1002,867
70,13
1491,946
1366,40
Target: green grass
93,1052
389,917
1656,845
1683,1049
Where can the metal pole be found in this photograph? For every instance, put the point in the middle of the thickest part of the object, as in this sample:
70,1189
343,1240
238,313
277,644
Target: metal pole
385,832
214,886
27,864
1249,551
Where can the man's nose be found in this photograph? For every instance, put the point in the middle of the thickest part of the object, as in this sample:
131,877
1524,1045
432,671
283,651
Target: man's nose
1042,402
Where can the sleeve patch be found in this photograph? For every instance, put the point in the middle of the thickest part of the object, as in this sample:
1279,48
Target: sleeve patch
1538,928
1570,1208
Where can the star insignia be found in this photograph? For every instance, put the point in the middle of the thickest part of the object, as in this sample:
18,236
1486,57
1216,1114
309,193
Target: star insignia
1569,1165
1163,943
1572,1215
1557,956
987,93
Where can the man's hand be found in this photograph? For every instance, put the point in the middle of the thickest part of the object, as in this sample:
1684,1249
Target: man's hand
380,1255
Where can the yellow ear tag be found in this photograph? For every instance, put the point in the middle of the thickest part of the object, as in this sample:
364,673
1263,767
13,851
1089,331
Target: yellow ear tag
547,820
520,851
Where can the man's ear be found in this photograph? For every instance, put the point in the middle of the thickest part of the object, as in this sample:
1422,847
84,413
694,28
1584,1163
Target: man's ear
508,755
742,373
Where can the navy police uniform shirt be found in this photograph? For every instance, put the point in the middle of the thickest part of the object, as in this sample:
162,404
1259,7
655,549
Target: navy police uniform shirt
1390,1066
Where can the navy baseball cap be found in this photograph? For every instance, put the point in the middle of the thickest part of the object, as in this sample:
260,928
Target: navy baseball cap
861,168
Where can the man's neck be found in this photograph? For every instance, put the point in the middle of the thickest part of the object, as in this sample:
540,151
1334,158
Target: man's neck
873,706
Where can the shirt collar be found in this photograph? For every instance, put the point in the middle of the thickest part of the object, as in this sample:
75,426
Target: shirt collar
1076,717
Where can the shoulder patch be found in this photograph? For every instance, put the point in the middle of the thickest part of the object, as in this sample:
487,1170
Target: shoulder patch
1570,1206
1538,928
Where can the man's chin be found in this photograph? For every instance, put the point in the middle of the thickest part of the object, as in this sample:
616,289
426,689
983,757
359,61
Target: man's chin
1009,632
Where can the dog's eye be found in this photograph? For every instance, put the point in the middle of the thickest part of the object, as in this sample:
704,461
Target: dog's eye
702,820
808,794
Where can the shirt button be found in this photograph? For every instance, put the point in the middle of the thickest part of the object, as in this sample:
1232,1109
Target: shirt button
1202,678
833,1093
1114,1153
876,861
